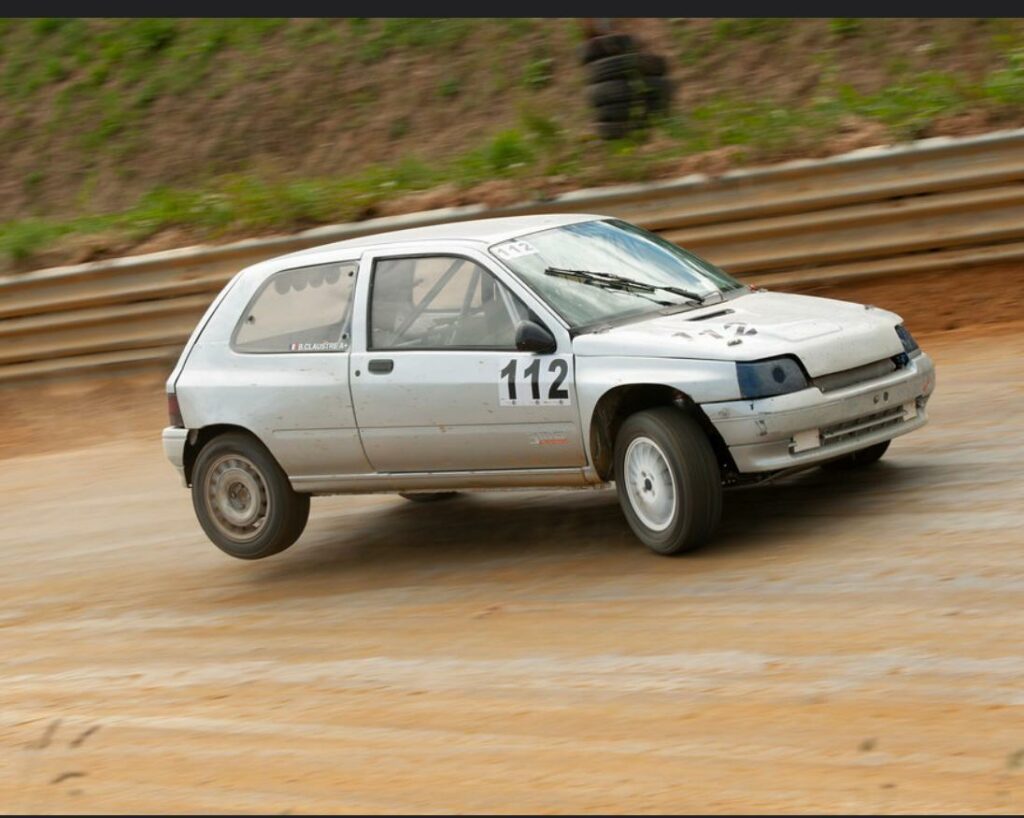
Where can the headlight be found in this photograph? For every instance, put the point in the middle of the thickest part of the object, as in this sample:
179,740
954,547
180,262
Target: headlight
909,344
776,376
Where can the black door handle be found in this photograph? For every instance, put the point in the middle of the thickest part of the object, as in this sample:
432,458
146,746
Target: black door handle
381,366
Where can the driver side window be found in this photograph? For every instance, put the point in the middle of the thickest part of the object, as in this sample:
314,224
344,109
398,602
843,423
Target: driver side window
437,302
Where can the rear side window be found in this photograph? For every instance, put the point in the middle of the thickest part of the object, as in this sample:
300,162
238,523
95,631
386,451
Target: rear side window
303,310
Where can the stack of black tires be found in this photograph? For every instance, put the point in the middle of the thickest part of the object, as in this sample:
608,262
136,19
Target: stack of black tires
625,85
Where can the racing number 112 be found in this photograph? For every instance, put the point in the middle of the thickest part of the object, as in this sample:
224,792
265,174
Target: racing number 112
558,367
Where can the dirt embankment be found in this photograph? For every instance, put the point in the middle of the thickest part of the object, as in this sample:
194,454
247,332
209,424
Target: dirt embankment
98,112
210,129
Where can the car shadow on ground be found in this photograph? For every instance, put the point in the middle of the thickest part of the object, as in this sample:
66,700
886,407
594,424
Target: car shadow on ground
814,501
473,530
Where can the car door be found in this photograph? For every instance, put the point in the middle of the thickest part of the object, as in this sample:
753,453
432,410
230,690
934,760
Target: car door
437,383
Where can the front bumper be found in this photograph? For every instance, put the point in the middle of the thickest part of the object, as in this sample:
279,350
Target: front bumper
808,427
174,438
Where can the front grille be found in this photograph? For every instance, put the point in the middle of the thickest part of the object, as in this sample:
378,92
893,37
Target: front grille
858,427
859,374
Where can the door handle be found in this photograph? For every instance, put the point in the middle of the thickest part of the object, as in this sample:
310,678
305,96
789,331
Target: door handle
381,366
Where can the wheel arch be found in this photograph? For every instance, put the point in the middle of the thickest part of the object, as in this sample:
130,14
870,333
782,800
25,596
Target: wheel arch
198,438
619,402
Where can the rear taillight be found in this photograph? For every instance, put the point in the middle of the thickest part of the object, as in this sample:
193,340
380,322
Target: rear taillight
174,411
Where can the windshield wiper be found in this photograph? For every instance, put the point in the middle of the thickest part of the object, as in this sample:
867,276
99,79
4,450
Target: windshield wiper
613,281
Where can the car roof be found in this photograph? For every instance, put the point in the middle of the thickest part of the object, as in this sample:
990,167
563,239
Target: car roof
482,231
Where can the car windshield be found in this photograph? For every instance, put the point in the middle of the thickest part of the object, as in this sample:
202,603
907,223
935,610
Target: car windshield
600,271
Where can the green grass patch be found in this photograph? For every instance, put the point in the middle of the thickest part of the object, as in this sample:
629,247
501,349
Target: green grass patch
1006,86
539,73
246,202
449,88
844,27
20,240
761,28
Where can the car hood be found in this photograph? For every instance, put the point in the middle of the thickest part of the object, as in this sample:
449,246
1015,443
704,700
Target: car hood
827,335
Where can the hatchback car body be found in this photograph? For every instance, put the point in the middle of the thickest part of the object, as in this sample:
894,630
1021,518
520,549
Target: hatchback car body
535,351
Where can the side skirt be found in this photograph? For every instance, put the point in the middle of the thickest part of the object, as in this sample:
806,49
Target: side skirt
444,481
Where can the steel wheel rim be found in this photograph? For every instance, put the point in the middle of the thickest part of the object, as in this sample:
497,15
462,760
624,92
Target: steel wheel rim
650,484
236,495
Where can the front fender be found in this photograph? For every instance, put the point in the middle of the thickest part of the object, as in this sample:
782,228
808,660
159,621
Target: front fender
701,381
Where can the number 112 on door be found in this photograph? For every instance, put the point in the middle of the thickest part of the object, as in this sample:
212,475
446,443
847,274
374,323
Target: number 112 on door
536,381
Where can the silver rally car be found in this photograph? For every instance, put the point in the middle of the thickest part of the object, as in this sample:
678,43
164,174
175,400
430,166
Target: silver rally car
534,351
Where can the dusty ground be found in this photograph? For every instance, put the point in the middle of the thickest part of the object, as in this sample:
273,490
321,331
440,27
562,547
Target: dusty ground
849,644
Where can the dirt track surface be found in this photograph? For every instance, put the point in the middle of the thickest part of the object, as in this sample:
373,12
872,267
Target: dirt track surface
848,644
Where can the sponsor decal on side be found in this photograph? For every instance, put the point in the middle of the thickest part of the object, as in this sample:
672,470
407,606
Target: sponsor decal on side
549,439
323,346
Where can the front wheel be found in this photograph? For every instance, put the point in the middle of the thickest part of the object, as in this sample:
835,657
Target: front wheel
243,499
668,480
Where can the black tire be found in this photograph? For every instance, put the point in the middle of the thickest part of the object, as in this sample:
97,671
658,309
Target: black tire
652,65
283,513
613,130
858,459
603,93
614,111
697,479
621,66
607,45
427,496
657,95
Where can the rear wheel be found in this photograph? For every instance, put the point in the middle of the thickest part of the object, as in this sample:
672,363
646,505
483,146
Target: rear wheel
668,480
243,499
858,459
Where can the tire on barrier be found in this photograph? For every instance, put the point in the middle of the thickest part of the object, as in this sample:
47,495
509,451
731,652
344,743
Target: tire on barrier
613,130
615,111
652,65
603,93
621,66
607,45
657,95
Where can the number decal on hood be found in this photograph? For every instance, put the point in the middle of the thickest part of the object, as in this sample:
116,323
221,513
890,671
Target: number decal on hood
534,381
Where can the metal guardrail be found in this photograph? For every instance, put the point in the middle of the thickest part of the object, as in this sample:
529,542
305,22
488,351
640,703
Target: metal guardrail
934,204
